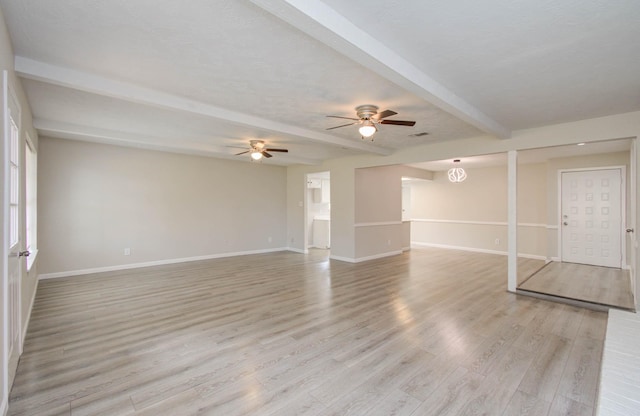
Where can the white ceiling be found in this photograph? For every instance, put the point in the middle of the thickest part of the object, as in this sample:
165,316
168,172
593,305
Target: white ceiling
201,75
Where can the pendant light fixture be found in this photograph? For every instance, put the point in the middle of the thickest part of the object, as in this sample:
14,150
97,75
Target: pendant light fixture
457,174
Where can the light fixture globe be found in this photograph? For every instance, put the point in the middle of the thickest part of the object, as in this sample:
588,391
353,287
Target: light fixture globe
456,174
367,129
256,155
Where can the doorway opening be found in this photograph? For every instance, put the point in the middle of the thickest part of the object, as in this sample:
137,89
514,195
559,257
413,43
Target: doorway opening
318,212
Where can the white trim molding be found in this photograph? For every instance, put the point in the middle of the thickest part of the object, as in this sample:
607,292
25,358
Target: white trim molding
376,224
154,263
298,250
476,250
498,223
361,259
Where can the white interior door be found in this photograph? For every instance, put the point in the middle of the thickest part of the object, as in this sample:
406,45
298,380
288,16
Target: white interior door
12,210
591,217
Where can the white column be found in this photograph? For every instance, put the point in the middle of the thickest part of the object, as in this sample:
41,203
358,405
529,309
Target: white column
512,220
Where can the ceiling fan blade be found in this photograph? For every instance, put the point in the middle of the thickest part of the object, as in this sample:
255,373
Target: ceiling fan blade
346,118
386,113
399,122
277,150
241,153
344,125
265,154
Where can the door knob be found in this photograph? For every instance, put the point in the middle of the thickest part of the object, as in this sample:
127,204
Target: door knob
565,223
25,253
629,230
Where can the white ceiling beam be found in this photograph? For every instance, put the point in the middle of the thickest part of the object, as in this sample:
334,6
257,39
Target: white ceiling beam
90,134
331,28
86,82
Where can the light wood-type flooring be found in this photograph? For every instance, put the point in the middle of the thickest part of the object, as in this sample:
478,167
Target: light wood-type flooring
600,285
428,332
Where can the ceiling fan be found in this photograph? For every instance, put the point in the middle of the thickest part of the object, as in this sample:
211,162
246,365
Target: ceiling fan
257,150
368,118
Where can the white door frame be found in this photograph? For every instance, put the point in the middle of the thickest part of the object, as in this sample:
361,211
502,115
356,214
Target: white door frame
631,222
623,207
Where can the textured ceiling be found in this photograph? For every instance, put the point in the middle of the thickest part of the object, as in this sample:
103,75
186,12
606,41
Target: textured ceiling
525,63
202,75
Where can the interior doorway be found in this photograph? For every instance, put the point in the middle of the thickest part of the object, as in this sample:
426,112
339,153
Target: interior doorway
318,211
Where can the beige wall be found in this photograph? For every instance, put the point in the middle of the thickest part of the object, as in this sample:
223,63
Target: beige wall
473,214
378,194
378,212
482,197
29,279
96,200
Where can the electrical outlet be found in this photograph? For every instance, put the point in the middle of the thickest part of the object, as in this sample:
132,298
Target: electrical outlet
388,242
269,239
497,242
127,251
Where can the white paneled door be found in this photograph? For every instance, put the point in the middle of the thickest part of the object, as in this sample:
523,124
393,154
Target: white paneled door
591,217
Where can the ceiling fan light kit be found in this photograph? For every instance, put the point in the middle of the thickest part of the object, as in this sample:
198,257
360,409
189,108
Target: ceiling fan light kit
258,150
368,118
367,129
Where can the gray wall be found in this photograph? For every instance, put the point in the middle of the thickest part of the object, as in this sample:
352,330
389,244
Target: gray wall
96,200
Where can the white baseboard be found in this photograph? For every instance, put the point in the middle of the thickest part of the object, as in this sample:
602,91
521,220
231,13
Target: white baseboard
476,250
28,320
155,263
461,248
339,258
406,248
4,407
632,277
361,259
298,250
531,256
